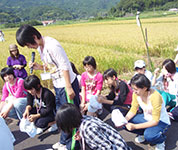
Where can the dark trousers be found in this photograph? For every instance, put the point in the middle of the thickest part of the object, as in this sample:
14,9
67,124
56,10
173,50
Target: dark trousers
42,122
61,99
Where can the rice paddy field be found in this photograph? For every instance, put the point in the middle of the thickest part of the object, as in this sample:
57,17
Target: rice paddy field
115,44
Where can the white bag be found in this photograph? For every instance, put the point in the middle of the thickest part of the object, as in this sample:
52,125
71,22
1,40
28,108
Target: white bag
28,127
118,118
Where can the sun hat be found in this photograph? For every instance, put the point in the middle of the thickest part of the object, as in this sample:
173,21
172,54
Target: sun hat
13,47
139,64
94,105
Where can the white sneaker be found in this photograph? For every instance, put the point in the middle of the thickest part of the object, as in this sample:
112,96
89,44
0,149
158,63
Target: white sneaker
53,128
160,146
139,139
39,130
59,146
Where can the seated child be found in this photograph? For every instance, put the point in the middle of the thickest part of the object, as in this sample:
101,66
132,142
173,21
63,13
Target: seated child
152,124
139,67
92,132
167,82
41,106
120,95
91,82
13,101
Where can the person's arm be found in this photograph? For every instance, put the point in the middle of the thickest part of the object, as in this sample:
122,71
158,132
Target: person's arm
155,76
104,100
131,126
176,59
27,111
123,91
68,85
49,99
99,83
37,66
83,97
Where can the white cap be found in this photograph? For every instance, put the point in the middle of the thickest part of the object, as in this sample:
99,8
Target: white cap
139,64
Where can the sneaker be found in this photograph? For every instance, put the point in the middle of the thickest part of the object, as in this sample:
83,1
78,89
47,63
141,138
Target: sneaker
139,139
39,130
160,146
59,146
53,128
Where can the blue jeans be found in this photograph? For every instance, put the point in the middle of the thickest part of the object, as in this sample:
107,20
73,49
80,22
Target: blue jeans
61,99
18,109
153,135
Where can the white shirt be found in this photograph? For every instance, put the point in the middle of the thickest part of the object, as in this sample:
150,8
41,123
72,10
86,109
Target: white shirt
55,57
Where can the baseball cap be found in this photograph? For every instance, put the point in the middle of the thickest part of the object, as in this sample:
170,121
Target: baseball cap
94,105
13,47
139,64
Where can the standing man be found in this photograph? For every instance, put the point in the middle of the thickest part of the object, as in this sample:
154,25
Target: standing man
55,60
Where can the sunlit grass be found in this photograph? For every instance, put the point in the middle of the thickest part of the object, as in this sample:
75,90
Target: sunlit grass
115,44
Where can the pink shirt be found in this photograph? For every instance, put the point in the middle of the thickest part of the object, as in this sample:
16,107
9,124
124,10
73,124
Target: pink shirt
91,84
17,89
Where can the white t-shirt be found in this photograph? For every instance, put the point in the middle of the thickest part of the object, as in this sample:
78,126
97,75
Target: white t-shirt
6,138
149,75
55,57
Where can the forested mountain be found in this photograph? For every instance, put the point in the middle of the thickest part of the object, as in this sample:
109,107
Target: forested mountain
12,11
131,6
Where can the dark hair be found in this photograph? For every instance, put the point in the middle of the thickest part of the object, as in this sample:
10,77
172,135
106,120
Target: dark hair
141,81
32,81
74,68
89,60
13,57
68,117
109,73
169,65
25,34
7,71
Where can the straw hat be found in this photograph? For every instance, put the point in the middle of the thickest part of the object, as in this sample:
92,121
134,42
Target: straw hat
13,47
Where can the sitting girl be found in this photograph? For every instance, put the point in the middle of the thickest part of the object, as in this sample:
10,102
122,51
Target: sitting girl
120,95
167,82
91,82
13,101
17,61
152,124
41,106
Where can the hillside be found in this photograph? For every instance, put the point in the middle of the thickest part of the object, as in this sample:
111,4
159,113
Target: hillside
131,6
19,10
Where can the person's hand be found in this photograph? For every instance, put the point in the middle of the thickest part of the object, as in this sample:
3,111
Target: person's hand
32,118
85,108
26,114
82,105
35,66
77,136
4,114
100,98
70,92
130,126
156,71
